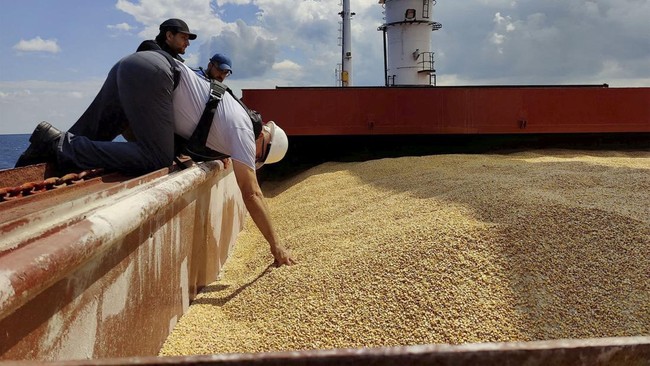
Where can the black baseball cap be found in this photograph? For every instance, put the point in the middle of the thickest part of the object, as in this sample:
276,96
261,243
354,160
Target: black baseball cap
177,25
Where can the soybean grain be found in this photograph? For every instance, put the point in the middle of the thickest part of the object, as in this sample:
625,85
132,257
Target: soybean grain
538,245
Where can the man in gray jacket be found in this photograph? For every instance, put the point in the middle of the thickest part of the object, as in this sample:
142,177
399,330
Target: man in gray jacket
136,101
137,94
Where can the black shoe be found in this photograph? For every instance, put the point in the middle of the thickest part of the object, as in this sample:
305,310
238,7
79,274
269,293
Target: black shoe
42,148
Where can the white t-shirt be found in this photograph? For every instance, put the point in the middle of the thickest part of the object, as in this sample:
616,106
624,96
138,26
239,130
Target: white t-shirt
231,132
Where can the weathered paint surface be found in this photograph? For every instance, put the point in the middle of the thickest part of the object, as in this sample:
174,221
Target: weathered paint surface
312,111
105,269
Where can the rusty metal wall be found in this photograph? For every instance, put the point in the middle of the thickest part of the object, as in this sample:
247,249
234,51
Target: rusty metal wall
315,111
106,269
625,351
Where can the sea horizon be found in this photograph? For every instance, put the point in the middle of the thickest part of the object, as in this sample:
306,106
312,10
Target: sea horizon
14,144
11,146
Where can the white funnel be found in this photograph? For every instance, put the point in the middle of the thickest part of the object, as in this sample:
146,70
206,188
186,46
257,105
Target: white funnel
407,37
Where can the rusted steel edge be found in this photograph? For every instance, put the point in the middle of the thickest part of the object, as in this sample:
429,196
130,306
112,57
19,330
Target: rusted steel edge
596,351
27,189
83,196
26,272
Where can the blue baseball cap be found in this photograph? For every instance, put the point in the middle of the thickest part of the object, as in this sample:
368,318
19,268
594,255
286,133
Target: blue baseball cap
221,62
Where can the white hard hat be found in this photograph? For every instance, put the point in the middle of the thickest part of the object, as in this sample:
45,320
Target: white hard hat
279,144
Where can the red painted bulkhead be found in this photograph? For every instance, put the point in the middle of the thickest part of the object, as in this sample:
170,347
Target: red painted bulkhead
313,111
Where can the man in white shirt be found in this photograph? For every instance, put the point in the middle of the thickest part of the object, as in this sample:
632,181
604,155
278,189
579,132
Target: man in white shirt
232,133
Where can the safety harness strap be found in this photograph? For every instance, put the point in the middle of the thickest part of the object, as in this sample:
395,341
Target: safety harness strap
196,147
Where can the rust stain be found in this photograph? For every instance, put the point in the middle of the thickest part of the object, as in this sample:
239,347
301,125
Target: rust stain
40,186
71,283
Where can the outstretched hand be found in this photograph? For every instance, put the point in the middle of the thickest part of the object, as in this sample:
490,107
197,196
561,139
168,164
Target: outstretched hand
282,256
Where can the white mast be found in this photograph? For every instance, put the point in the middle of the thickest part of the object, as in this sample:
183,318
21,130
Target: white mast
346,70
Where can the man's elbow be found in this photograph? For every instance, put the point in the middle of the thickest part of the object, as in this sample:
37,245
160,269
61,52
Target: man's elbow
251,195
247,182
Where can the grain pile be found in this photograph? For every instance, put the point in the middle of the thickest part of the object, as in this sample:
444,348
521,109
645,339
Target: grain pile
439,249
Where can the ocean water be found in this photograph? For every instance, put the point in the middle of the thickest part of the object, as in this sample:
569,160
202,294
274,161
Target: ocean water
11,146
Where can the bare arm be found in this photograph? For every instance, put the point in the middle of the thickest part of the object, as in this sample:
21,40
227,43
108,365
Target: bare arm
257,208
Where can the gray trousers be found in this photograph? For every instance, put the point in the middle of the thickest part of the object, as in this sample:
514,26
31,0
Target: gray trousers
138,94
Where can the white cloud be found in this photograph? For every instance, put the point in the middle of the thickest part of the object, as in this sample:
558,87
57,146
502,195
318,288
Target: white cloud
124,27
236,2
543,42
198,14
514,41
15,94
60,103
252,53
304,33
37,45
76,94
286,65
497,38
498,19
290,72
194,60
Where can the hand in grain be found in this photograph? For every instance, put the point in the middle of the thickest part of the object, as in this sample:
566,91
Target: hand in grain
282,256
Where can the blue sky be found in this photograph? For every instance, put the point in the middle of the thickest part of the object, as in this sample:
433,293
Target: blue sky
77,33
56,53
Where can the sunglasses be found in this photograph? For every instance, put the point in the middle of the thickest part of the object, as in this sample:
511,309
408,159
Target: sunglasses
228,72
259,162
